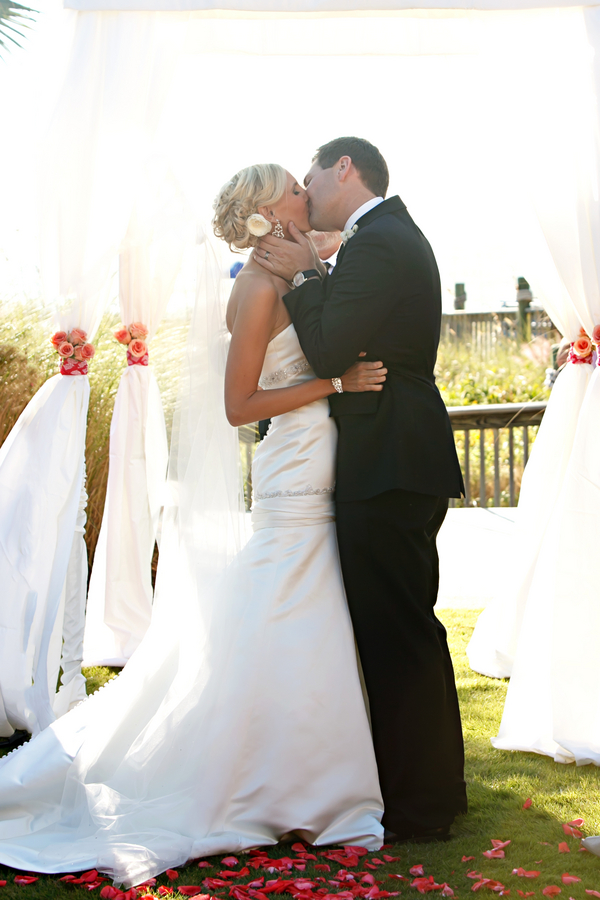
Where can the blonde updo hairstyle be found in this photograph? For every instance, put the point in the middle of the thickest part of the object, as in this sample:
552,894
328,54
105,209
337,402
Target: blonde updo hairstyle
255,186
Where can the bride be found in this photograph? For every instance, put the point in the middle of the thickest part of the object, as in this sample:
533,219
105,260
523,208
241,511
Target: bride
240,718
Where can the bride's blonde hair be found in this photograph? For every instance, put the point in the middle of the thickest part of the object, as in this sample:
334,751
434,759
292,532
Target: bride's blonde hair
252,187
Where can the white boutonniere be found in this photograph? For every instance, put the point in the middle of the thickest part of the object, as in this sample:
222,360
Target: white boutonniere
346,235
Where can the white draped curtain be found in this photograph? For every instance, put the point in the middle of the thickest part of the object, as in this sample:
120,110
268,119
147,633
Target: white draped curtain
97,137
119,603
554,694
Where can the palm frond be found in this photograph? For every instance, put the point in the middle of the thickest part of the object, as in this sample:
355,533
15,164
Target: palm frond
13,19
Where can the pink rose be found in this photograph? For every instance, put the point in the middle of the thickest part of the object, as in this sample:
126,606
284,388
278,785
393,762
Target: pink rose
138,348
65,349
87,351
122,335
596,334
582,347
58,338
138,330
78,336
77,354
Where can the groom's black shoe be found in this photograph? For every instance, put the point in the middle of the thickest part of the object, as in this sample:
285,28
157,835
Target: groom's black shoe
417,835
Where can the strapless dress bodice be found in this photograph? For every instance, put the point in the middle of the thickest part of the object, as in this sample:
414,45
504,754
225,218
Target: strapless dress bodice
293,473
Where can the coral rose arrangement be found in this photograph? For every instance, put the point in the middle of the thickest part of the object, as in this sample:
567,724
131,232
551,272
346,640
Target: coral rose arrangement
73,350
134,337
582,349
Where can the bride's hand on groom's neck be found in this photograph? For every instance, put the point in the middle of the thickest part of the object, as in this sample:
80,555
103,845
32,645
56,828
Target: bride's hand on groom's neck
285,258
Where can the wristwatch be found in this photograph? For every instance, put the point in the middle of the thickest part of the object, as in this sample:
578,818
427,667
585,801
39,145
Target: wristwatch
300,277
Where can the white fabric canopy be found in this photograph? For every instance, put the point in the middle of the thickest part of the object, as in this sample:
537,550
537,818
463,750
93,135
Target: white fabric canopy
311,7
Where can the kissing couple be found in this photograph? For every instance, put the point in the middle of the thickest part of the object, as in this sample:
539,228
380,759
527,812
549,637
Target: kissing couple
241,719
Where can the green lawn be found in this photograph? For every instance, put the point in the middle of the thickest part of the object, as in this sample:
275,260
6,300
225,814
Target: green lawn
499,783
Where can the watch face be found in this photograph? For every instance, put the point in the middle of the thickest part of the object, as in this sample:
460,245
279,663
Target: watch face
299,279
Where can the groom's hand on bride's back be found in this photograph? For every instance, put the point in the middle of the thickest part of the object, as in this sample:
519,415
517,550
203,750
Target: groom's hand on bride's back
364,376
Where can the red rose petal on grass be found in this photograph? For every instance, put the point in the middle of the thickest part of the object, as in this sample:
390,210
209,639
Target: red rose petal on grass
391,875
378,862
467,858
298,848
172,874
67,878
203,864
525,893
593,893
25,879
355,851
110,892
524,874
163,891
576,823
244,871
572,832
447,891
569,879
226,873
500,845
417,870
323,867
189,890
583,850
370,865
551,891
390,859
2,884
475,875
494,854
230,861
527,803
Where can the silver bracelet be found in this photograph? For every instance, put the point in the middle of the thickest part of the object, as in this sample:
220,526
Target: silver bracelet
337,383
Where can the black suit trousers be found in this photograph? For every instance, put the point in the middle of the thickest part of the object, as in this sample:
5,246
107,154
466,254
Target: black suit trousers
389,561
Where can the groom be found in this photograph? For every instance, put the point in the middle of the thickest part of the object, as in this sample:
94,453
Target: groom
396,468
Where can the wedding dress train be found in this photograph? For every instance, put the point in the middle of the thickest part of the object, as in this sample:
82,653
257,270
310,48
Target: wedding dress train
245,725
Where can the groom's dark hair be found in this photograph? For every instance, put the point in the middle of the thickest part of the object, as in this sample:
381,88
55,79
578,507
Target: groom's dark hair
368,161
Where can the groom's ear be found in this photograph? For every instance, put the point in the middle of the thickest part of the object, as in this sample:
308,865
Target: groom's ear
342,168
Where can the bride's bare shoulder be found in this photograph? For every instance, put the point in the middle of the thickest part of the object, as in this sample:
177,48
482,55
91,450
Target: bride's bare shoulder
253,289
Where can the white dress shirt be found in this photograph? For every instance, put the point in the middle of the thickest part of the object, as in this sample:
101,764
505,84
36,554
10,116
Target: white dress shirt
356,215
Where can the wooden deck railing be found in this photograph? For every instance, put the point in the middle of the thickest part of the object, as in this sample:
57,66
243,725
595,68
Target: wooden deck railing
492,462
517,419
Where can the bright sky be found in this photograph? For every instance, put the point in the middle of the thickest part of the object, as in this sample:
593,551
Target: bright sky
447,125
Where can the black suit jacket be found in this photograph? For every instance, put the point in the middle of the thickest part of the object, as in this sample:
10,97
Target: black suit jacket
382,297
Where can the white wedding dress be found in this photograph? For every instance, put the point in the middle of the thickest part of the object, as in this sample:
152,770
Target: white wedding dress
248,724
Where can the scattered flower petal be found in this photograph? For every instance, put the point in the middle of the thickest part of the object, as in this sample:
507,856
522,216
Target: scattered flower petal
500,845
593,893
417,870
494,854
572,832
527,803
25,879
551,891
576,823
569,879
172,874
467,858
391,859
524,874
229,861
